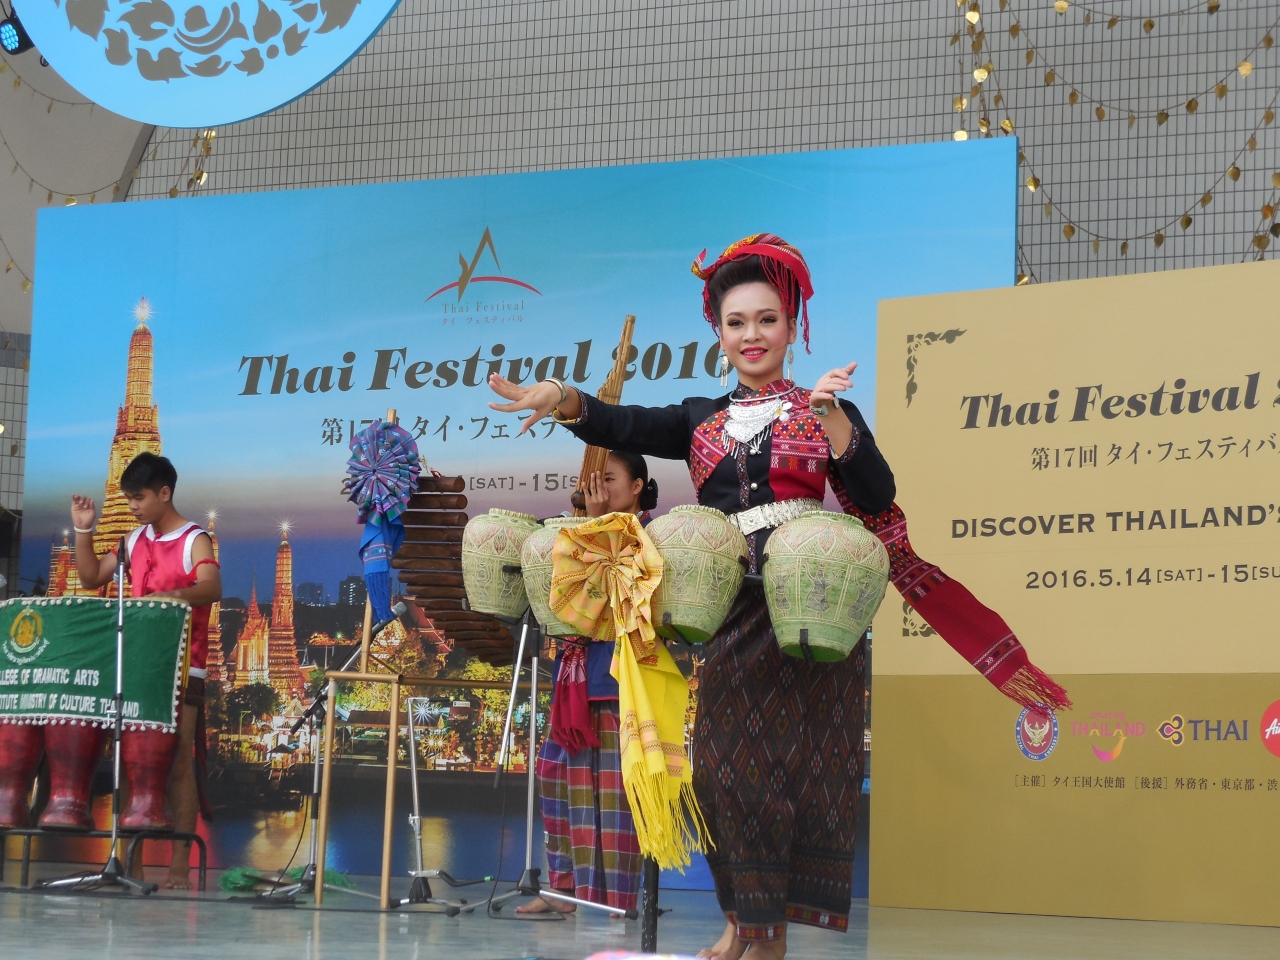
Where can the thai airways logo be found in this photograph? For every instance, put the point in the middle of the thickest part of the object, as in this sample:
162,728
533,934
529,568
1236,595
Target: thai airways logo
1171,730
26,639
194,63
1271,728
1036,733
1175,730
467,270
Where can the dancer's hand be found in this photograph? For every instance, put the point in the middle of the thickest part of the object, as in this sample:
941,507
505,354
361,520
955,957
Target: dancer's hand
541,398
597,495
84,512
829,384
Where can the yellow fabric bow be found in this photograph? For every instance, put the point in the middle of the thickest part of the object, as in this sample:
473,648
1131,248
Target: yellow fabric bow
604,575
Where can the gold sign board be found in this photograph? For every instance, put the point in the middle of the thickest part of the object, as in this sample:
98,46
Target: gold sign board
1099,462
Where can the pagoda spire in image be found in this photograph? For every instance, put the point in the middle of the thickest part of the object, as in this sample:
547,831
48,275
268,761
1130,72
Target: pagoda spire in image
137,430
253,647
286,675
64,579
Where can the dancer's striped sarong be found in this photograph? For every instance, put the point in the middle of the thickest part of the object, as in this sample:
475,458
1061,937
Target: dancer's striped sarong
591,839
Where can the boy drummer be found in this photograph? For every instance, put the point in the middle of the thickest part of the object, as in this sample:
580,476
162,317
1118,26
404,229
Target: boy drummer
167,556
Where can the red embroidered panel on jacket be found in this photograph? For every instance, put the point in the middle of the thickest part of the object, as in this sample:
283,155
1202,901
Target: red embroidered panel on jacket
798,454
707,449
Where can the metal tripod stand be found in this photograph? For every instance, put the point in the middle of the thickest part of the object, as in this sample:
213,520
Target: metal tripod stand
326,699
529,884
112,874
420,889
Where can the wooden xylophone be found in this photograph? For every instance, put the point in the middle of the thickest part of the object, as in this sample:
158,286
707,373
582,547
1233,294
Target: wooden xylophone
429,563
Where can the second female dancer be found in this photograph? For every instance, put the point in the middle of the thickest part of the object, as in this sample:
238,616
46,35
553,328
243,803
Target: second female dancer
778,741
593,852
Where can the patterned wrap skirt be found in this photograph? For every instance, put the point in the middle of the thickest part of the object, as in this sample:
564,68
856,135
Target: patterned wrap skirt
591,839
777,767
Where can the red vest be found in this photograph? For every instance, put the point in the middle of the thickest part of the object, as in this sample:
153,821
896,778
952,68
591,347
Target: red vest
157,564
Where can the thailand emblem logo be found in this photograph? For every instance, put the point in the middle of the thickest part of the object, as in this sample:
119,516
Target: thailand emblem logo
26,637
1036,732
187,63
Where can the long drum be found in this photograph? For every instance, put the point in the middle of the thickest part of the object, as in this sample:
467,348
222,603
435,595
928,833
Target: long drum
491,545
703,563
57,683
824,577
537,566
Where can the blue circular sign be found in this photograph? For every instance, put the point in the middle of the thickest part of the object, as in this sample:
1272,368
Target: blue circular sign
184,63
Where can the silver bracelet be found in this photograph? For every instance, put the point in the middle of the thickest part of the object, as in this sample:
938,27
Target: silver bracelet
78,530
564,391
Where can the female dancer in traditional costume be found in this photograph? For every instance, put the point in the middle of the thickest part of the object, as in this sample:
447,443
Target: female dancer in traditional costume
778,741
592,849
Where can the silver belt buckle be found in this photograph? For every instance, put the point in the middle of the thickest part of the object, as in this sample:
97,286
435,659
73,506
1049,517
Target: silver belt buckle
772,514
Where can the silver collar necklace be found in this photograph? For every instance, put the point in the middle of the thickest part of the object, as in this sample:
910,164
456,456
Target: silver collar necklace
751,420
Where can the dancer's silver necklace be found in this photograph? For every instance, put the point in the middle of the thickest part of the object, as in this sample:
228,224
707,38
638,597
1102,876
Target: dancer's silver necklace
751,420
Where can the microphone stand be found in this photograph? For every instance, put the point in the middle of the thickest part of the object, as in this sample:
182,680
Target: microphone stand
315,716
112,874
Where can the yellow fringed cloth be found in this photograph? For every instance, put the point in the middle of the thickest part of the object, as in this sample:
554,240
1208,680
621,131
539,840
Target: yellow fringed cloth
604,574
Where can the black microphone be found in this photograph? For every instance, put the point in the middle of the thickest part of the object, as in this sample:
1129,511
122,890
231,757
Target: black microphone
398,611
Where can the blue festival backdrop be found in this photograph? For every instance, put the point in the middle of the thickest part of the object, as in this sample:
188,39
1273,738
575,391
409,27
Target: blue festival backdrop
247,337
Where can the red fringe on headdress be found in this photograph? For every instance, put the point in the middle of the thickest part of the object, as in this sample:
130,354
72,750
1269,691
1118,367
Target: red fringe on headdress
784,266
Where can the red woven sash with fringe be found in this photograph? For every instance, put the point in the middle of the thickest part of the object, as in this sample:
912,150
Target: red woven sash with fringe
973,630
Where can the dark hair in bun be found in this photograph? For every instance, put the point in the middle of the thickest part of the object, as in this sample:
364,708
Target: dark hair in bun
747,270
637,469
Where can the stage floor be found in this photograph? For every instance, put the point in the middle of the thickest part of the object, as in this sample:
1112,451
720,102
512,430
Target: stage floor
37,926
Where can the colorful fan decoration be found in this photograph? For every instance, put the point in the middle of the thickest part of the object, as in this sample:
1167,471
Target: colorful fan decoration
382,474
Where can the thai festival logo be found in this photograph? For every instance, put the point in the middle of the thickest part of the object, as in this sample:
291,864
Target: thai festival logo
467,270
179,63
26,640
1036,733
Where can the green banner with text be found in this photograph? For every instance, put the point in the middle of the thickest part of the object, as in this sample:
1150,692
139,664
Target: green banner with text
58,660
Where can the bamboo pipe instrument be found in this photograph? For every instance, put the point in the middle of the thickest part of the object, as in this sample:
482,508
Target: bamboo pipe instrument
594,458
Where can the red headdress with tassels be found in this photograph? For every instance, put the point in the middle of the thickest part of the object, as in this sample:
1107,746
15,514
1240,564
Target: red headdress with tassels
782,263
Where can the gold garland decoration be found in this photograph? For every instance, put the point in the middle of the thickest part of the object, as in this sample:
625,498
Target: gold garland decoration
986,71
19,81
200,151
69,197
1191,104
12,265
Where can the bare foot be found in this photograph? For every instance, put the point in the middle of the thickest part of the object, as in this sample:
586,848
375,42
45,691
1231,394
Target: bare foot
728,947
540,905
177,880
179,867
768,949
